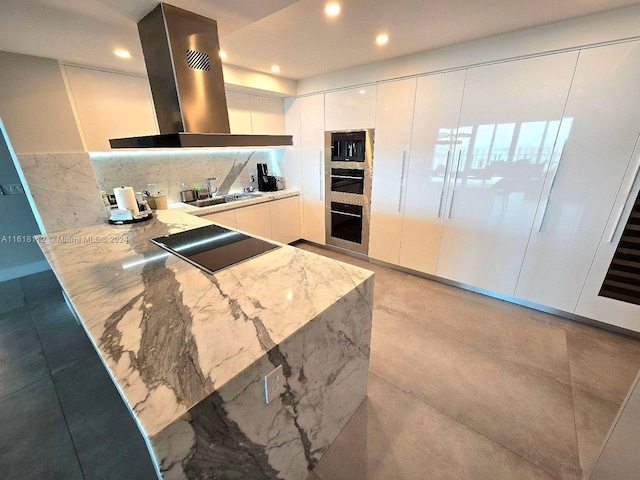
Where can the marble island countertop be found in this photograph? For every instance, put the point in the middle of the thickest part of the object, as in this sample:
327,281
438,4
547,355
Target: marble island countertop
171,334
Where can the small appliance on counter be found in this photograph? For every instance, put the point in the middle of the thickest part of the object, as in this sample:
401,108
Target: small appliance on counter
128,209
266,182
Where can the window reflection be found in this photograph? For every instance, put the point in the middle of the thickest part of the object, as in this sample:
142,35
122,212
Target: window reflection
509,156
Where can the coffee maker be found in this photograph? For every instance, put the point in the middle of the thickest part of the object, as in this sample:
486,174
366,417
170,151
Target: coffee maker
266,182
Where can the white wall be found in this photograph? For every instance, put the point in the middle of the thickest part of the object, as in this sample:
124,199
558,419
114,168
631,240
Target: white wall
17,258
610,26
35,107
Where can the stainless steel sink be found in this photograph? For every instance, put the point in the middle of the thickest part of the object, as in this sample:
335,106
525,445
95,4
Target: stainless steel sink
232,197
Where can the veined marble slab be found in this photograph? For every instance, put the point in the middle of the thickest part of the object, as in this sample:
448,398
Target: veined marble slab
188,350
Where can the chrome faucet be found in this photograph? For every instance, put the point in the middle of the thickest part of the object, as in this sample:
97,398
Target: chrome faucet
211,188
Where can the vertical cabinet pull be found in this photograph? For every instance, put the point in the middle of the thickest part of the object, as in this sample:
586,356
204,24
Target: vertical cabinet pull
320,165
626,200
444,182
553,181
404,159
455,181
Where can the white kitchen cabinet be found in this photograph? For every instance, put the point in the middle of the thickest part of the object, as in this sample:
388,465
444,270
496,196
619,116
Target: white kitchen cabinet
509,119
254,219
394,118
267,115
285,219
239,110
352,109
601,125
312,160
590,304
437,108
226,218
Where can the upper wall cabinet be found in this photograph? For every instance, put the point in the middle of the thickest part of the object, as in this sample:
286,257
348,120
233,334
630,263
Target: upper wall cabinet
599,131
394,118
110,105
353,109
267,115
239,109
435,127
509,122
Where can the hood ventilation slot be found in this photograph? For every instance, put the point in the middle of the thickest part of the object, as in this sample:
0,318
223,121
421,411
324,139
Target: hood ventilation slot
198,60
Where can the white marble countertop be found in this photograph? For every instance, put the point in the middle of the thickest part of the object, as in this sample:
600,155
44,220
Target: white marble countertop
171,334
260,197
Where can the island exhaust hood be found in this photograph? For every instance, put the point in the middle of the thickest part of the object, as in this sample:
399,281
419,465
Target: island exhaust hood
182,56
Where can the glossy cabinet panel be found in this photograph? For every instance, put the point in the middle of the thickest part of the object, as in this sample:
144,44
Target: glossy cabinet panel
254,219
509,119
608,310
267,115
239,109
352,109
312,159
226,218
437,108
394,118
601,125
285,219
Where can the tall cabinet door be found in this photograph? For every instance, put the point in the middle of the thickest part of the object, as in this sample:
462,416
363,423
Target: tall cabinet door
509,122
394,116
435,124
351,109
590,303
312,155
601,125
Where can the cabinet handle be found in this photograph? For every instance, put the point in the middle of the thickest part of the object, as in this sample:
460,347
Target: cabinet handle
626,200
444,182
404,158
320,165
455,181
346,213
553,181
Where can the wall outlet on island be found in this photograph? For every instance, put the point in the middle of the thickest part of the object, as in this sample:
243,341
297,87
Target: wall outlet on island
273,384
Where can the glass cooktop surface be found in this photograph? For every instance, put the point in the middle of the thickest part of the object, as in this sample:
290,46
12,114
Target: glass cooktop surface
212,248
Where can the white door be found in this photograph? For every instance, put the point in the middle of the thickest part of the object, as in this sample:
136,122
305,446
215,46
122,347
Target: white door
312,159
508,125
285,219
394,118
226,218
352,109
590,304
601,125
255,219
437,108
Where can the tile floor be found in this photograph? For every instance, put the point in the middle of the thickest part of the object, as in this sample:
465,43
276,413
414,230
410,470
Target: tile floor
462,386
61,417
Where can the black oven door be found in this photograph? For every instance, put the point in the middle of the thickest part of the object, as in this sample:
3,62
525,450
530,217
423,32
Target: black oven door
347,180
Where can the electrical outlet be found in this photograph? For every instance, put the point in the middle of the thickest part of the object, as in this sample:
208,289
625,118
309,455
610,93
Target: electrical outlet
252,176
273,384
12,189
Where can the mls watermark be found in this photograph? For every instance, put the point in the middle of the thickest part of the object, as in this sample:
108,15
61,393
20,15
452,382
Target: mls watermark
63,239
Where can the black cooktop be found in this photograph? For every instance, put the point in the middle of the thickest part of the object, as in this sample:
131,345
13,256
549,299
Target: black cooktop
212,248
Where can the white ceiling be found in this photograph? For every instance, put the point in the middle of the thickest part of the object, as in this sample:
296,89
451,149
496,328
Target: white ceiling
295,35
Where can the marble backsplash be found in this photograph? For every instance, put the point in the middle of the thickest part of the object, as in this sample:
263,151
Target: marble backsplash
169,169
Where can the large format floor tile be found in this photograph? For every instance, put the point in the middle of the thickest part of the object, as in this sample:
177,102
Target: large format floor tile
11,295
594,417
64,342
107,440
605,366
500,332
21,361
35,442
526,412
395,436
40,287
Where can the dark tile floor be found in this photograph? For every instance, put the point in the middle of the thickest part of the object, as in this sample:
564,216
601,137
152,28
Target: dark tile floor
462,386
61,418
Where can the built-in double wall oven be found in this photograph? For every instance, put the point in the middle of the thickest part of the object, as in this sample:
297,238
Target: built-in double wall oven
348,171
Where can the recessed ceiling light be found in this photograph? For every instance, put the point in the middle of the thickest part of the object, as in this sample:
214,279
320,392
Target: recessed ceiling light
223,54
362,92
122,53
382,39
275,68
332,9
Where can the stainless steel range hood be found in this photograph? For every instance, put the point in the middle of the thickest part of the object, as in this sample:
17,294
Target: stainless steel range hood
182,55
